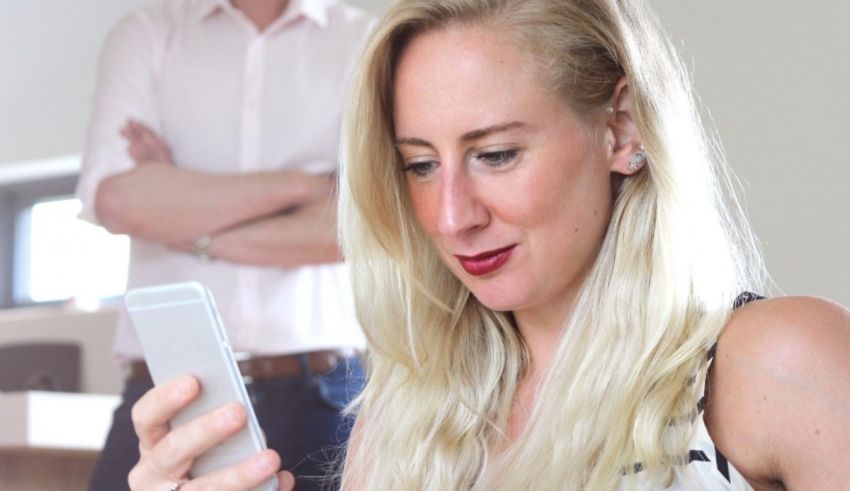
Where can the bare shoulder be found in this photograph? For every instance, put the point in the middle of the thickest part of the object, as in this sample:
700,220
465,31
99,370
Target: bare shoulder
788,334
779,393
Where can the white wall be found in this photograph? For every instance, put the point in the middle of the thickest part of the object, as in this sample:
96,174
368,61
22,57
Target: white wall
49,51
774,75
773,72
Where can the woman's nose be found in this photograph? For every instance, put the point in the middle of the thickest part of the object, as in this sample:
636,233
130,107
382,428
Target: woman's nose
461,209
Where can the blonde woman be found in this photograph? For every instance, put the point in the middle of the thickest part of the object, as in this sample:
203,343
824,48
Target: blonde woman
550,273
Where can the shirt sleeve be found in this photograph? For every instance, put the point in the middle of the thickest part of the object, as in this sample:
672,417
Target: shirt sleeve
126,80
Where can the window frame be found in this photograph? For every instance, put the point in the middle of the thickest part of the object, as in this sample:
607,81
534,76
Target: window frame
17,196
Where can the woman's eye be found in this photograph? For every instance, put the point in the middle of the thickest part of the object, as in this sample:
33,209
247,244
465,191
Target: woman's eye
497,158
420,169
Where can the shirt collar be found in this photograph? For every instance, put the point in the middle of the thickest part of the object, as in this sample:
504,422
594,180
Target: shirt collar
314,10
205,8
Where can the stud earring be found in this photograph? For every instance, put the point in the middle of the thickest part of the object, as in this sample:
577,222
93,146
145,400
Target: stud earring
637,160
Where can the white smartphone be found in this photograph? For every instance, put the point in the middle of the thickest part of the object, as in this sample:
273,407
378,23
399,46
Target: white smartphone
181,333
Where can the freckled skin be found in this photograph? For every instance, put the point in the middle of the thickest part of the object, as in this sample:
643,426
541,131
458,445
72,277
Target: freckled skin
779,394
456,80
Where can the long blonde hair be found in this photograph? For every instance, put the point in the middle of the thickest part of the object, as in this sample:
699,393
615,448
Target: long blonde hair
626,377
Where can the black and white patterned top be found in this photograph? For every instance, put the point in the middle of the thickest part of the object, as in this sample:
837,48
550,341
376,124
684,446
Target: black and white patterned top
708,469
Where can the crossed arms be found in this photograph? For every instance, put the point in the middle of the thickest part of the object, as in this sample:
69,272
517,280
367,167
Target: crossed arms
277,218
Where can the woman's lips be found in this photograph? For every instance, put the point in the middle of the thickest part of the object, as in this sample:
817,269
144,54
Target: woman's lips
486,262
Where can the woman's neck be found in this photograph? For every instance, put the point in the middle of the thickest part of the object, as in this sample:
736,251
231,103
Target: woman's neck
541,329
541,334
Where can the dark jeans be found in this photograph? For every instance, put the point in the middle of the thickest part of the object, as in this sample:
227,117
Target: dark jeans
300,417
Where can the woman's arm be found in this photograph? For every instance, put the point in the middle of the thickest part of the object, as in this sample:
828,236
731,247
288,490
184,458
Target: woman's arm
779,394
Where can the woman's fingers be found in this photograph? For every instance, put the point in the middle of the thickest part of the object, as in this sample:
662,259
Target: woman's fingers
172,455
244,475
150,415
153,410
167,454
285,481
182,445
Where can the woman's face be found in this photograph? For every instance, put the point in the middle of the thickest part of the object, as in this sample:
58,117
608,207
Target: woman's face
511,186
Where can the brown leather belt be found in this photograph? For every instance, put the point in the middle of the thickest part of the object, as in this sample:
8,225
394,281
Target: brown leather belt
268,367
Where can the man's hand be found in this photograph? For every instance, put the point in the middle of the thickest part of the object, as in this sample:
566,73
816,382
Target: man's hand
144,145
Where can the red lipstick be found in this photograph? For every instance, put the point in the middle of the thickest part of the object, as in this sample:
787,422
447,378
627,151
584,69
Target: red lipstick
486,262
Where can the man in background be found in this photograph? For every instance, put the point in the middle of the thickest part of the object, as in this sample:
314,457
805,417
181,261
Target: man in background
213,144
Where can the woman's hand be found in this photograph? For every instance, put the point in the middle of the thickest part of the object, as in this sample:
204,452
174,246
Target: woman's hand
167,455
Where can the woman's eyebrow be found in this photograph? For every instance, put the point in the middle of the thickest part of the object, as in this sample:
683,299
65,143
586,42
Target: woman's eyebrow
496,128
417,142
468,136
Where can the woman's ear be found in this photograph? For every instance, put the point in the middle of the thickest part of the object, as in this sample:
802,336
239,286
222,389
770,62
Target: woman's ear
626,154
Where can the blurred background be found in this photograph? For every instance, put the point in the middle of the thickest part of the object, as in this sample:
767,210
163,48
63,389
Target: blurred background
772,76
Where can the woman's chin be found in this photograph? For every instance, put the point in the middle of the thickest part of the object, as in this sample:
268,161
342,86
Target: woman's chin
498,303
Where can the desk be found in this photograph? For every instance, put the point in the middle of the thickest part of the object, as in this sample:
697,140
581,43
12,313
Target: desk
50,440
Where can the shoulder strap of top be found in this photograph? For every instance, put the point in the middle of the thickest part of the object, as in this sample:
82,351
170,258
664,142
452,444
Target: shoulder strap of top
746,298
741,300
698,455
720,459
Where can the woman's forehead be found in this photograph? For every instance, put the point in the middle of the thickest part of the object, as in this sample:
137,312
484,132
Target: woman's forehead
466,75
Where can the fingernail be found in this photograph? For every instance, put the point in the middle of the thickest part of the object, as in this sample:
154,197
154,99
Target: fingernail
230,416
180,390
264,463
286,480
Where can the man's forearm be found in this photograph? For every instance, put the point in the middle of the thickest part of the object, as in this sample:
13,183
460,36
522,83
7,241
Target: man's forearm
171,205
304,236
